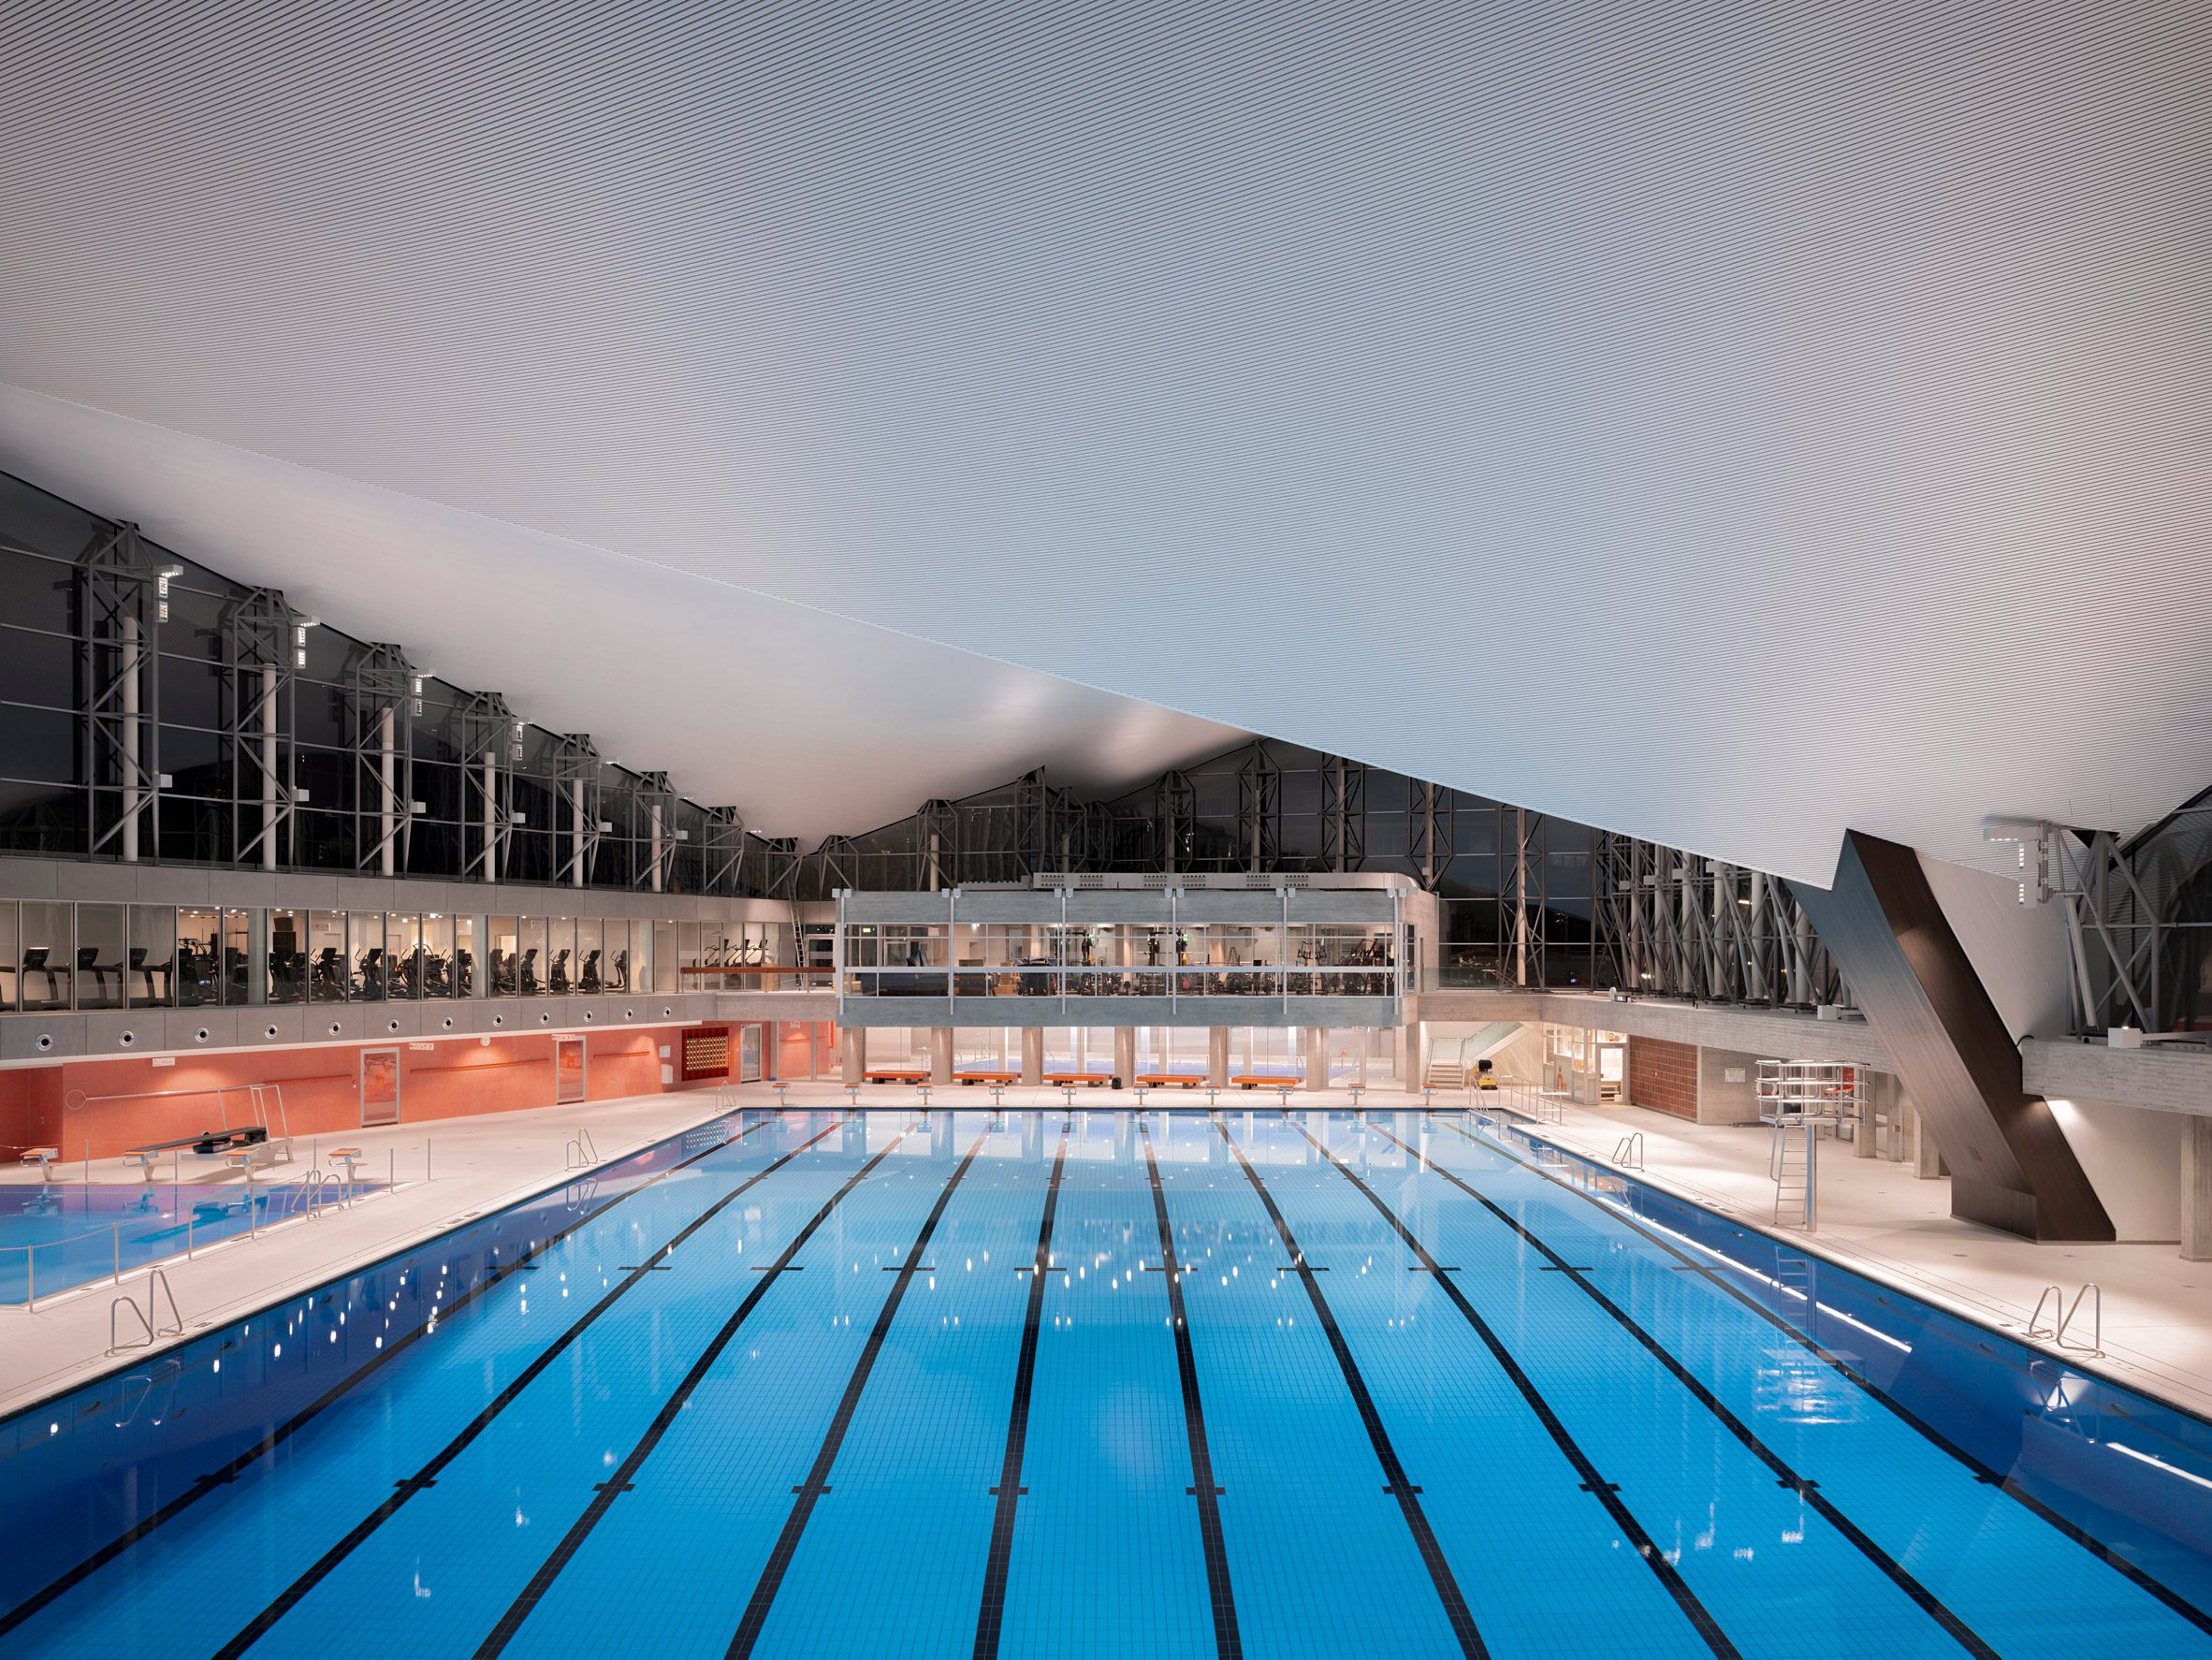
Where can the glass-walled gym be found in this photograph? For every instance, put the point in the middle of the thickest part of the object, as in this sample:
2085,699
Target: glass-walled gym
1165,1055
1050,960
58,957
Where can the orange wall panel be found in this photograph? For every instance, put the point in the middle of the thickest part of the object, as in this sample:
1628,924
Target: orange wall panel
102,1108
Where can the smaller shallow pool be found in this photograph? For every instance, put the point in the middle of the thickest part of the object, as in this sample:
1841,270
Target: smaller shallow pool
61,1234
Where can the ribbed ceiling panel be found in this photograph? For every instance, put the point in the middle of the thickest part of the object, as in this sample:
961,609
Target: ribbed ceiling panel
1725,423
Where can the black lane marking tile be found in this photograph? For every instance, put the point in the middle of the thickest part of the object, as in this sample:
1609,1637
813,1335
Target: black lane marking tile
1229,1642
1416,1518
236,1467
324,1565
1607,1492
817,1483
990,1611
1983,1472
1785,1474
623,1477
645,1268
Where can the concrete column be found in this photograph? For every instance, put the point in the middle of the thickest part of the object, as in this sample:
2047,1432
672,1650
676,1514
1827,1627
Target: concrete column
1885,1103
2196,1189
1124,1053
1413,1047
1927,1161
1870,1107
1217,1056
1317,1058
940,1054
1032,1056
852,1052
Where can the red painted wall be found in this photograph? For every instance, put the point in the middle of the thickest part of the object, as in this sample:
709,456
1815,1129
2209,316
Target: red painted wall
452,1079
1663,1076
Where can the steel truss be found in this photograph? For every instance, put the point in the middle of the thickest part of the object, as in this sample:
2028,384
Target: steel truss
265,645
1260,809
2138,917
1429,826
724,851
383,693
1675,923
655,804
779,862
488,736
124,602
1344,814
1175,818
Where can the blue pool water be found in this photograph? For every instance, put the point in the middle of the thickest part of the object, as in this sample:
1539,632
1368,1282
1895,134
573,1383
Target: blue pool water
1302,1386
61,1234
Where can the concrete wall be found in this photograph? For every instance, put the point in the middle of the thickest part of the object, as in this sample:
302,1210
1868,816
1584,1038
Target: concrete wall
1727,1087
2018,952
2165,1077
1781,1034
2133,1158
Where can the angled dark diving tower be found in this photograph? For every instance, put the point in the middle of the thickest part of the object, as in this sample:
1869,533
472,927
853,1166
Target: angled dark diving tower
2011,1166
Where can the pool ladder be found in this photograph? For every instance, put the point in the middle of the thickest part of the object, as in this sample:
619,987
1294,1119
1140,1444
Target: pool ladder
1628,1152
580,1153
172,1327
1794,1164
2062,1315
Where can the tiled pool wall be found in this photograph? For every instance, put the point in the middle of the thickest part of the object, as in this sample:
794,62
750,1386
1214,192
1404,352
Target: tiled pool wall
2045,1425
139,1437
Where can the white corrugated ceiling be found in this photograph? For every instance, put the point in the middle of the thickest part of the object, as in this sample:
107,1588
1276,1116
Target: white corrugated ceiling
1724,423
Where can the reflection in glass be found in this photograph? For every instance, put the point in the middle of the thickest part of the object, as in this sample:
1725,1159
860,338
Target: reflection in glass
367,955
11,989
402,954
200,957
590,956
468,979
502,944
99,956
238,957
288,956
50,956
531,970
561,953
437,956
663,964
150,971
328,976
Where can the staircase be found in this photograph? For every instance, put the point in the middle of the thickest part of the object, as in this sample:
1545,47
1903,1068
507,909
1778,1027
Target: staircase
1452,1063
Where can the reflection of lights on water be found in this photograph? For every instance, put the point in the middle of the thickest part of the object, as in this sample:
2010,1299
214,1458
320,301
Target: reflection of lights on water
2162,1463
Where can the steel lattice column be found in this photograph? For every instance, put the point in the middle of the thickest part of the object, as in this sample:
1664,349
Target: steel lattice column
126,601
383,691
265,646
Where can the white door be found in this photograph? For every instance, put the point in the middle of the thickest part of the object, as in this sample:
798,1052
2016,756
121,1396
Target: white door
380,1087
749,1054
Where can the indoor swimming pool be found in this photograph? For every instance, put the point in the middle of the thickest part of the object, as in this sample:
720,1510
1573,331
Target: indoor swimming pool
909,1382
